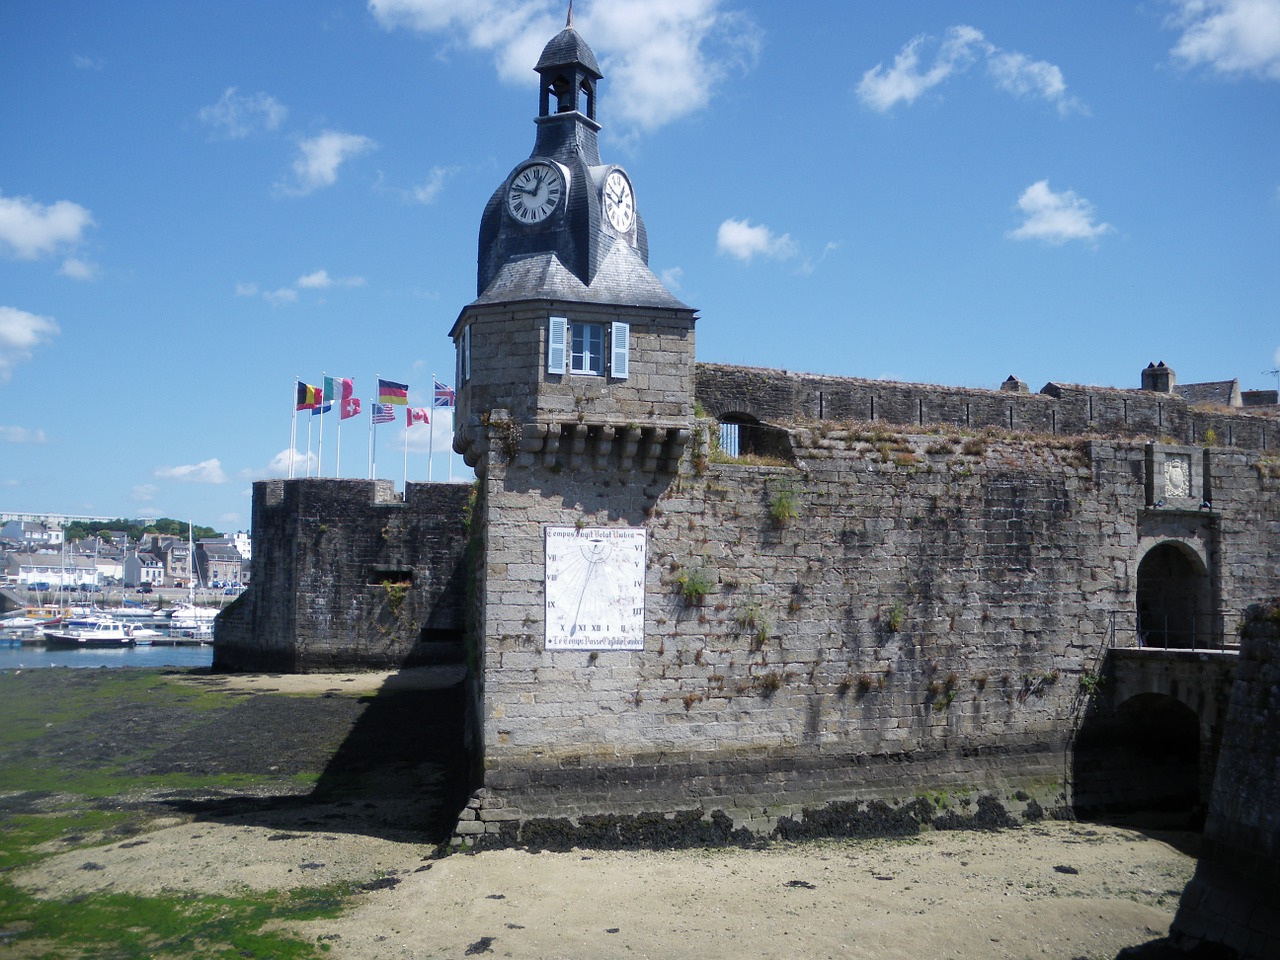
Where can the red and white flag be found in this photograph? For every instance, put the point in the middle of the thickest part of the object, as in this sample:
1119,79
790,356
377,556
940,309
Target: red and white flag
414,415
350,407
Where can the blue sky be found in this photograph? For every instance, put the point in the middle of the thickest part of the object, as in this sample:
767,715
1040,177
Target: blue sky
202,201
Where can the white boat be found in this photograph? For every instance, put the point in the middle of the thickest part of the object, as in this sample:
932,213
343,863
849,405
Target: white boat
187,617
90,632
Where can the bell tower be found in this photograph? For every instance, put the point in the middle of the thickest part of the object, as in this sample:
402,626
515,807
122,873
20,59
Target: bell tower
573,355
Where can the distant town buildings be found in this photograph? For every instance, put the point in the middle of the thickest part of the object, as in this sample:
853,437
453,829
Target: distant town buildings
35,554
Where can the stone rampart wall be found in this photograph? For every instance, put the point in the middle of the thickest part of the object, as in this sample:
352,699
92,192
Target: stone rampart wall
1234,897
897,612
783,397
347,575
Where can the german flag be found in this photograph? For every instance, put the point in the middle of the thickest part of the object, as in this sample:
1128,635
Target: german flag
391,392
309,397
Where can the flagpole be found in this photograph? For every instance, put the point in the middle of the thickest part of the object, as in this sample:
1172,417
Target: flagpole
309,419
320,455
337,460
431,430
293,429
373,438
405,482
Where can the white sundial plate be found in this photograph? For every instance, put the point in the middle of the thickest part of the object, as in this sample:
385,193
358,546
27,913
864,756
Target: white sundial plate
594,582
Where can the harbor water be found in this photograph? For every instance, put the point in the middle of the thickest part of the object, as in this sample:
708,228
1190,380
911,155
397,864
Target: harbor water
29,656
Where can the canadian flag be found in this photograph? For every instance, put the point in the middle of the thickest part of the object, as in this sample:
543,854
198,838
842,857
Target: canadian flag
350,407
414,415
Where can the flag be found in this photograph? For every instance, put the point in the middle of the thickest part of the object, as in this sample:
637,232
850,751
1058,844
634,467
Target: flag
320,408
349,407
309,397
383,413
444,395
414,415
337,388
390,392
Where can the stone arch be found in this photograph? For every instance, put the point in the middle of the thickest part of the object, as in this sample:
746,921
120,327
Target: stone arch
1174,597
1140,759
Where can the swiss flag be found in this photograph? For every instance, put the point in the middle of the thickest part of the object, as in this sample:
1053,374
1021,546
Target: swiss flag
350,407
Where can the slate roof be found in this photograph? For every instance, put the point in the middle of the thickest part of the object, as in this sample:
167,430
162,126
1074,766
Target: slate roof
568,47
1223,392
623,278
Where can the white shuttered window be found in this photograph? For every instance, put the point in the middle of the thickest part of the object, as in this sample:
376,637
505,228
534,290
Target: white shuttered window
620,350
557,334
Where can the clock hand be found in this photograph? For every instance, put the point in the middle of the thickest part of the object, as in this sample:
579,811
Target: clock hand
591,568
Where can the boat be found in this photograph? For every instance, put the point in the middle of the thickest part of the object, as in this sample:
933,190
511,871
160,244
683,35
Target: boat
187,618
82,632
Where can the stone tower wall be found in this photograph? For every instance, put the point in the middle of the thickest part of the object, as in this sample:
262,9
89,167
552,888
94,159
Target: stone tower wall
1234,897
347,575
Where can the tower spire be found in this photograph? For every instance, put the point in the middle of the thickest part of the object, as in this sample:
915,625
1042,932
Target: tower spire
569,20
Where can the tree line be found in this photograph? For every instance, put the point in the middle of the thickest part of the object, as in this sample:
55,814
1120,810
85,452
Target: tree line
135,530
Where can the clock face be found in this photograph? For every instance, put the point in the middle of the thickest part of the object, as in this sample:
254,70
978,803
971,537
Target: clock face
619,203
535,192
595,588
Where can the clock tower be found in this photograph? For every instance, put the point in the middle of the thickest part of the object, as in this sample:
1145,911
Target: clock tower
573,356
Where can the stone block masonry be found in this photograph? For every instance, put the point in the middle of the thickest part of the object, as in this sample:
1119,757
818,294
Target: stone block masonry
1234,897
348,576
892,614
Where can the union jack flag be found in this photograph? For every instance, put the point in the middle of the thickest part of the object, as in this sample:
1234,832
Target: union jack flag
383,413
444,395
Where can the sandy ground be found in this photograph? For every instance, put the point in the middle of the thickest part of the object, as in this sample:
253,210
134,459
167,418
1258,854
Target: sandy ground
1058,890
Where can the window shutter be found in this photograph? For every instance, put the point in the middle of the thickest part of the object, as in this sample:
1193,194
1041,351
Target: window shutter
557,330
466,353
620,349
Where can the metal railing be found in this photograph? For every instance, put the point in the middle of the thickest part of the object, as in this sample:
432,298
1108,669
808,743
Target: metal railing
1175,631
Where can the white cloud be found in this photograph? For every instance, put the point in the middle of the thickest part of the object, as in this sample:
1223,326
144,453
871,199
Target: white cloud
1018,74
304,464
739,239
87,63
427,192
319,159
1056,218
246,289
207,471
883,88
78,269
236,115
663,58
22,435
673,278
32,230
145,492
320,280
880,89
20,334
283,295
1231,36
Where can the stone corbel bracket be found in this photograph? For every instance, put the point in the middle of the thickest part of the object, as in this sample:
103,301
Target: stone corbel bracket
601,446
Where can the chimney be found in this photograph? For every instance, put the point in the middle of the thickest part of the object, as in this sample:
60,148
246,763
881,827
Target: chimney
1159,378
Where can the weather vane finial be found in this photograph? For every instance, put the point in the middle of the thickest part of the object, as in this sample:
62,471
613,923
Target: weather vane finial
569,20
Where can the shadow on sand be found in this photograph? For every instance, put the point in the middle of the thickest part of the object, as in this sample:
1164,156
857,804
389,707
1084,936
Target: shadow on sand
393,764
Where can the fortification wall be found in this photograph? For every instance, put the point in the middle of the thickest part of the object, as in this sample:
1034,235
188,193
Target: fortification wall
783,397
895,613
347,575
1234,897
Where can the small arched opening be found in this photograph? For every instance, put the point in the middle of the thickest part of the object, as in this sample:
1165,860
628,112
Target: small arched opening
742,435
1173,599
1141,762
